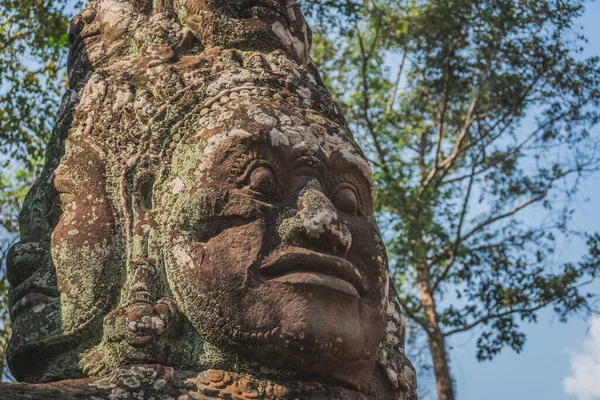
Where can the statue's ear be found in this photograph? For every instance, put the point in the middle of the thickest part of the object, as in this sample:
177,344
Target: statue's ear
139,207
394,370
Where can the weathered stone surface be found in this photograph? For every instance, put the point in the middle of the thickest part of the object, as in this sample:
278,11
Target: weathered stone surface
203,207
155,382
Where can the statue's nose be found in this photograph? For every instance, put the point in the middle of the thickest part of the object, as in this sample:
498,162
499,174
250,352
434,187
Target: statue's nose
316,224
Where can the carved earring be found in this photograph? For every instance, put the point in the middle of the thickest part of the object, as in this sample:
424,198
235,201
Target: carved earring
147,316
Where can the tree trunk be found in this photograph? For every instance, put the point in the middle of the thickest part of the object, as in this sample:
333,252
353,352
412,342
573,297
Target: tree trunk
435,338
440,366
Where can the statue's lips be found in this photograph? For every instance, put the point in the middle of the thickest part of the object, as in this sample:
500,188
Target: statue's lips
309,267
30,294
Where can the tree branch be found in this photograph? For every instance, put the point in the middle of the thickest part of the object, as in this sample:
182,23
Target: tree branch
439,136
449,161
392,99
507,214
365,105
457,240
495,316
412,315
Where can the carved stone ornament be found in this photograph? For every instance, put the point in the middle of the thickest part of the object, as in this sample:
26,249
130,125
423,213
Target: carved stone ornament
204,225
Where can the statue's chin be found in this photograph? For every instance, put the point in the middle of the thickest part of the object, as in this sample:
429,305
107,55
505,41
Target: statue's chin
30,358
27,326
305,332
30,354
294,360
304,360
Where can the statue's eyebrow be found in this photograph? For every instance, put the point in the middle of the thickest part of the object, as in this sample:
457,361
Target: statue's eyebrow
361,165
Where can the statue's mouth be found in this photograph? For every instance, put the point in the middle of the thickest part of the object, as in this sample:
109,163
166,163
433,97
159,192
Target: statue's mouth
302,266
30,295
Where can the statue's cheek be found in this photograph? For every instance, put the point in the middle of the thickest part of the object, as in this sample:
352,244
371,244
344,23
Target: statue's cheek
201,272
82,255
369,254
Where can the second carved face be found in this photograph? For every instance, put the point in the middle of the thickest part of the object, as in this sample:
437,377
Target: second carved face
65,272
271,244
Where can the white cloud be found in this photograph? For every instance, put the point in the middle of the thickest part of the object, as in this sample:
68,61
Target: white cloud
584,382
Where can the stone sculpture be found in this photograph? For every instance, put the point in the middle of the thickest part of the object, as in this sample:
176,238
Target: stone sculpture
204,223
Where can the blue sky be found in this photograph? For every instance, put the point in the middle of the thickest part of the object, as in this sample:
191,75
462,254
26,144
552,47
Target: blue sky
552,348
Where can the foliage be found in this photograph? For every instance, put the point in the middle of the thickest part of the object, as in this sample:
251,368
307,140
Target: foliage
34,34
472,113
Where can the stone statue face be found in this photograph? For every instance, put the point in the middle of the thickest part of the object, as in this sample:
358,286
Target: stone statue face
273,251
63,287
253,24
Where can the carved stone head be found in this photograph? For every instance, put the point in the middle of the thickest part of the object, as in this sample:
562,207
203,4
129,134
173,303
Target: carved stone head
270,241
203,207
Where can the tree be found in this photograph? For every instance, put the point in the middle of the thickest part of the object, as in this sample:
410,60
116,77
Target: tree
34,41
473,113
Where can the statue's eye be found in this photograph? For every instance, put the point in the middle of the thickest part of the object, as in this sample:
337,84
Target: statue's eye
262,180
345,199
260,177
